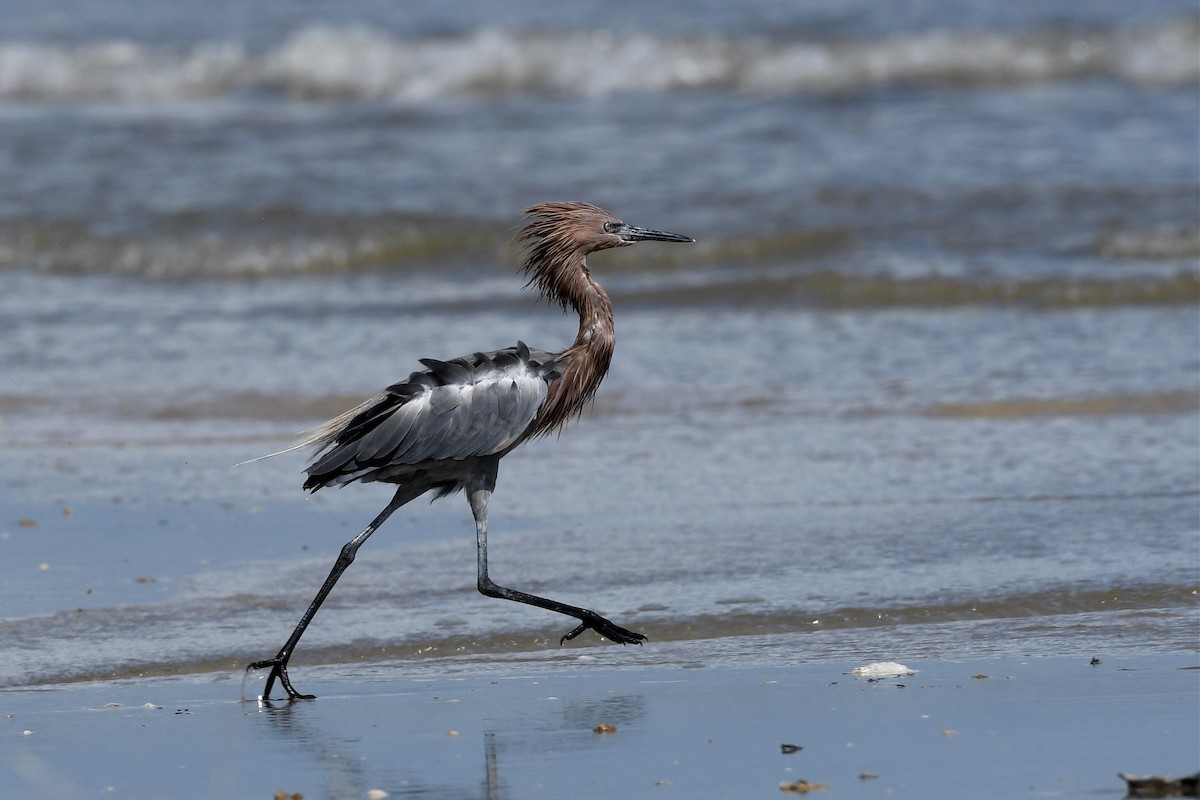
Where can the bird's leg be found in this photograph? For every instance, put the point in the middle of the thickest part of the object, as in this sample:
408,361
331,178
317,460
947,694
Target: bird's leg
478,494
278,664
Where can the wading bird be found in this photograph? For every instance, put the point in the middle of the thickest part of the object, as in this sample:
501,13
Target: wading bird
446,427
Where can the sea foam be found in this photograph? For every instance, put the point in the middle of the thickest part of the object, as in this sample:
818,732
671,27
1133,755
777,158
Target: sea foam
331,63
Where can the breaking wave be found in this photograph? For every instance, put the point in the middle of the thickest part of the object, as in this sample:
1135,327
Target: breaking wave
742,271
701,276
328,63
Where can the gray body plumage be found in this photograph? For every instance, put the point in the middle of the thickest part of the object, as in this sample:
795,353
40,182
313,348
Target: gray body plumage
429,427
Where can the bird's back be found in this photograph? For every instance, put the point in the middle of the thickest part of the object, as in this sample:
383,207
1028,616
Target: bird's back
451,411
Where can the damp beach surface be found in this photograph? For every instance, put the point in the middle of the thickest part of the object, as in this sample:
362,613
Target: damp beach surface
588,727
926,390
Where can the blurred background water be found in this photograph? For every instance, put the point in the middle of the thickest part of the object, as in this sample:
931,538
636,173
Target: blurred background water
928,382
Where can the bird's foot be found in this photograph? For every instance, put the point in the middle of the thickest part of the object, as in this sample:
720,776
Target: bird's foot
278,667
606,628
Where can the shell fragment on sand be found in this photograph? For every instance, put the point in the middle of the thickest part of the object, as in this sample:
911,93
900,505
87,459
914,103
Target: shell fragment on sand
882,669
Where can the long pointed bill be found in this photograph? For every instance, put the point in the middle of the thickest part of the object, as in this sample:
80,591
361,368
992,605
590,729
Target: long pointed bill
632,234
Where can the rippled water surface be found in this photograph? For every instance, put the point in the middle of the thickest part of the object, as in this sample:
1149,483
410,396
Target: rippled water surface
929,381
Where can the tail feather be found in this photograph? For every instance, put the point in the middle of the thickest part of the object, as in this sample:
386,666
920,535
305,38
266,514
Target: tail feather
321,436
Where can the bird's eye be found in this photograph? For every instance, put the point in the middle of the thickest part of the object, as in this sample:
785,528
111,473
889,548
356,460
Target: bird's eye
611,227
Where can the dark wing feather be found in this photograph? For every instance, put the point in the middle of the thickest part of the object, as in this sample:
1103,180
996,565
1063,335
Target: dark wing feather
448,372
473,406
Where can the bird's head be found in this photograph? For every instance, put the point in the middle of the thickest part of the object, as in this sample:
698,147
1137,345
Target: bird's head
559,234
579,226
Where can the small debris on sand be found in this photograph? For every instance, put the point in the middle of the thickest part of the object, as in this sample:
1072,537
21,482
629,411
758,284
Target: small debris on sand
882,669
1161,785
801,786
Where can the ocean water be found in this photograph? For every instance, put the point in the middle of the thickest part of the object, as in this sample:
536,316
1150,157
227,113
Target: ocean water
928,385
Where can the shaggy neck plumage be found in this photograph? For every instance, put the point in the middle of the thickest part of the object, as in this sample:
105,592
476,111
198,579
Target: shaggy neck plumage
562,276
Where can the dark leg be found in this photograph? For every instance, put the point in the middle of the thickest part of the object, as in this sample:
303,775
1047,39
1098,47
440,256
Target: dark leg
279,663
478,493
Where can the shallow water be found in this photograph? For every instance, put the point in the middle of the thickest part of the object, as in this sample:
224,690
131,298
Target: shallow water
928,382
1043,499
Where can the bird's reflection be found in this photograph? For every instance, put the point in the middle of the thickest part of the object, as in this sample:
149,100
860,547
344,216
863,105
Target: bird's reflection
348,772
491,767
342,774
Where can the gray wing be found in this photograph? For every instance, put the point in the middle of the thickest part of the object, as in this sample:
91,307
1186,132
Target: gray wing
472,406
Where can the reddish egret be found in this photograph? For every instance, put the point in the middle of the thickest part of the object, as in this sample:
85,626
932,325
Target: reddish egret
446,427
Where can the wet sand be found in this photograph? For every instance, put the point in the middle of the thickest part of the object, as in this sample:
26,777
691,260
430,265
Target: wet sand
1051,727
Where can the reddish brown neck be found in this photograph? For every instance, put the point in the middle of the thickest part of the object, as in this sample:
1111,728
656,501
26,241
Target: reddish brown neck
585,363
